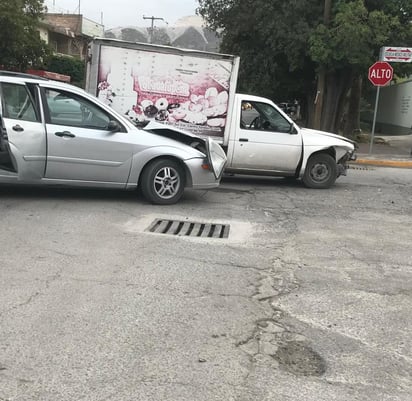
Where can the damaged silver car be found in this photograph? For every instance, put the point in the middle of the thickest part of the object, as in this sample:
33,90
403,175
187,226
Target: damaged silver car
57,134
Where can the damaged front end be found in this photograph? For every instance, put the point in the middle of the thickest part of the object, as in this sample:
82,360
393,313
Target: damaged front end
215,155
342,163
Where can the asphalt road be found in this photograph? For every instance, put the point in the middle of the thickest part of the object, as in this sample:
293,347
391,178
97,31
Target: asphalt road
309,298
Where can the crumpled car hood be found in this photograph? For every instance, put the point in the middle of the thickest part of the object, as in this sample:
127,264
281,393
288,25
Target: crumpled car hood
320,137
209,147
172,132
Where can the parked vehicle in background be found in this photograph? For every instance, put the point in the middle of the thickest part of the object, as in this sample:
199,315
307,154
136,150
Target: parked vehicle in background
195,91
56,134
292,109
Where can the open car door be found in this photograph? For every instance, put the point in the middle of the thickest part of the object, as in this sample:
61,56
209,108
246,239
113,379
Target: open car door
23,137
217,157
7,162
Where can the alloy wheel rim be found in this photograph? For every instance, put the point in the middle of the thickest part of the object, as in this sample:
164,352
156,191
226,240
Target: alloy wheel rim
166,182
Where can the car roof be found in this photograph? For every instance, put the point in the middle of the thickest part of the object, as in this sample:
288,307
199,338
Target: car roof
20,77
11,76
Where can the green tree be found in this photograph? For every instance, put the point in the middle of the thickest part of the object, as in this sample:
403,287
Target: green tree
67,65
271,39
286,48
347,45
20,43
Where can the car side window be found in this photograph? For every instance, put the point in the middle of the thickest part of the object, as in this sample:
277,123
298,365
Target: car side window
263,117
18,103
72,110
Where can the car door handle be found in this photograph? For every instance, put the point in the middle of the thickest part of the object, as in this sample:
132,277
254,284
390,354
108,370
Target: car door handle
243,140
65,134
18,128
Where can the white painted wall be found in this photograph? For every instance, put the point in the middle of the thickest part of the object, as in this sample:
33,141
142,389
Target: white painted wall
395,105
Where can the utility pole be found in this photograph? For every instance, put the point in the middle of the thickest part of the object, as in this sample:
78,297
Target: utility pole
152,27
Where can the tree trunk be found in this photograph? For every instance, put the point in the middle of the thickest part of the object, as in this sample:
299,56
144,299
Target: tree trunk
319,99
308,113
352,117
337,86
333,101
319,111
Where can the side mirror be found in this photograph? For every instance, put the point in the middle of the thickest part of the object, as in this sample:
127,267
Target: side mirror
113,126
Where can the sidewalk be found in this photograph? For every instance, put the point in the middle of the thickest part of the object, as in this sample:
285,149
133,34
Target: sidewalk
390,151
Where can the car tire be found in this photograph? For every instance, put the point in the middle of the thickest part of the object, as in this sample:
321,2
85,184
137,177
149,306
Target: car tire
320,172
163,182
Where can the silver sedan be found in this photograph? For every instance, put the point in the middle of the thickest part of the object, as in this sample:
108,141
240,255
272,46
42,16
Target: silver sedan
56,134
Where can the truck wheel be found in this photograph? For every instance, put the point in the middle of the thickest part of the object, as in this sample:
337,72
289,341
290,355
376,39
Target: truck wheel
163,182
321,171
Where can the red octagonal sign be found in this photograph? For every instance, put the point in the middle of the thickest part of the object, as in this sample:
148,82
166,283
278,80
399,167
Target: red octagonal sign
380,73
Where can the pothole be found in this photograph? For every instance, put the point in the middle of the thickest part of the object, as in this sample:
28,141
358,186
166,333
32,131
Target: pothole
298,358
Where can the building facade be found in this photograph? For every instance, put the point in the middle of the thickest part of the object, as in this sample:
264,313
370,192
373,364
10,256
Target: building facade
69,34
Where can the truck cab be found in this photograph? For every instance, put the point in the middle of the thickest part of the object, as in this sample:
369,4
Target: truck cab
261,139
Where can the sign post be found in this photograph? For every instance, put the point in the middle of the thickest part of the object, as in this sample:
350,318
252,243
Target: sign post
380,74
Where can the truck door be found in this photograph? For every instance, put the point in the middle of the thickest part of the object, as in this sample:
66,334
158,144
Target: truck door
265,140
23,140
81,146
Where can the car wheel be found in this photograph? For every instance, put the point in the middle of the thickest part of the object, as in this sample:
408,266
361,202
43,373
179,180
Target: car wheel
321,171
163,182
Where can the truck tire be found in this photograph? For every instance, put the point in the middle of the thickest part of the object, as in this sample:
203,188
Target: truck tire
320,172
163,182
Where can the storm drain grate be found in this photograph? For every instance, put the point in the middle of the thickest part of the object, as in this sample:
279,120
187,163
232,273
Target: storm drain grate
189,229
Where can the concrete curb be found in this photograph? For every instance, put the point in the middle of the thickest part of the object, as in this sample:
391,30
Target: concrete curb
383,162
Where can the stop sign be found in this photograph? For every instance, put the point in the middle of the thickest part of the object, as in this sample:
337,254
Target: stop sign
380,73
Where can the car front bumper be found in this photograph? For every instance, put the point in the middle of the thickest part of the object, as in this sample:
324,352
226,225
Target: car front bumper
200,178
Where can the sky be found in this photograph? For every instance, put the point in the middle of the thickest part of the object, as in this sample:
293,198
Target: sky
126,12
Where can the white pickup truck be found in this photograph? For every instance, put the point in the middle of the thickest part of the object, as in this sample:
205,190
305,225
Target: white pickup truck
195,91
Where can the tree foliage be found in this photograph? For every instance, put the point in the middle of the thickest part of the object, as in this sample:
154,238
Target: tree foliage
67,65
20,43
347,45
283,46
271,39
356,33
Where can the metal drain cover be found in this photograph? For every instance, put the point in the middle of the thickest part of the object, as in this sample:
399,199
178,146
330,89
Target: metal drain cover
189,229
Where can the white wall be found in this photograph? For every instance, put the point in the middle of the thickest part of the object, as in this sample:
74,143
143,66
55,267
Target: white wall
91,28
395,105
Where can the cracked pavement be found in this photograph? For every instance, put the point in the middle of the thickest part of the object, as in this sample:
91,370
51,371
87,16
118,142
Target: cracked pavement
308,299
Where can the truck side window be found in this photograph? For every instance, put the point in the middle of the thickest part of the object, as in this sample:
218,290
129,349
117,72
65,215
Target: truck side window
18,103
72,110
262,117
